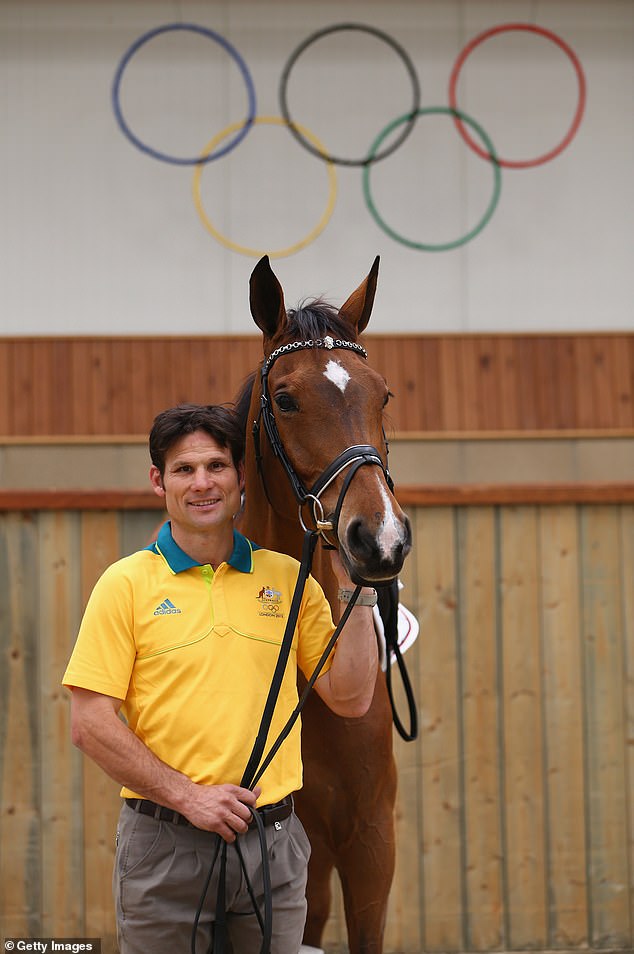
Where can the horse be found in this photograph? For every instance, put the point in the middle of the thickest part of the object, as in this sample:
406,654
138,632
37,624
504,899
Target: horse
319,454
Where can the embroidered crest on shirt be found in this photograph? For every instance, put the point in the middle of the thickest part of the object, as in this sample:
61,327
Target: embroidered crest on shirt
269,600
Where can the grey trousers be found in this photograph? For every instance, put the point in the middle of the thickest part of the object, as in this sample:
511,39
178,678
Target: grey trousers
160,872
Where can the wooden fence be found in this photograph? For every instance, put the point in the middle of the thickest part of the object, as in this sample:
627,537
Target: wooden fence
516,804
443,383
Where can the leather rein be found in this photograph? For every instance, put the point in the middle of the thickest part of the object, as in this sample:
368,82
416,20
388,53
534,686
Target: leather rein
352,457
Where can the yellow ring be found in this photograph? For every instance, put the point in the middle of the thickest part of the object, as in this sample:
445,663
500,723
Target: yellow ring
243,249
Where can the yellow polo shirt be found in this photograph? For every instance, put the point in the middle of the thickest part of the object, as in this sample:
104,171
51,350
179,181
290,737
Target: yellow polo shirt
191,652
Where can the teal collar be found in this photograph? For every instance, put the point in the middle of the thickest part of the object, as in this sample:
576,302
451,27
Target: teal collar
241,558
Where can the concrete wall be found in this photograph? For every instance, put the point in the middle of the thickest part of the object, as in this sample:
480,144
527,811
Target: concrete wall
97,237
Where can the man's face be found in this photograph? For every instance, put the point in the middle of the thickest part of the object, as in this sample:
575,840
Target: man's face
200,484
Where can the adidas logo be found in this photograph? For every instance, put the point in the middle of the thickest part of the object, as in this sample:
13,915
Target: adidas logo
166,608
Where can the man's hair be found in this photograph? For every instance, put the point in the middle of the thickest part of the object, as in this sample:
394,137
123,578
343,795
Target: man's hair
218,421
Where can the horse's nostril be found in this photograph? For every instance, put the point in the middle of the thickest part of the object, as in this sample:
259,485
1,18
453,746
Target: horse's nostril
361,542
407,544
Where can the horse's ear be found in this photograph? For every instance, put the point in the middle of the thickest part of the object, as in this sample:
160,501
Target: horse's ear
266,299
358,307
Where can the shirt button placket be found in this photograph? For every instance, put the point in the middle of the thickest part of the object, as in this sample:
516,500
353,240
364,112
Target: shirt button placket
208,577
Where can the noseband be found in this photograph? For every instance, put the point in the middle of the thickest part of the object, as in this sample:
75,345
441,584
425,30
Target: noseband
352,457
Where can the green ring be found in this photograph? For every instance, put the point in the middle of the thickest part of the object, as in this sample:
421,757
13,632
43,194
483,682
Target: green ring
492,155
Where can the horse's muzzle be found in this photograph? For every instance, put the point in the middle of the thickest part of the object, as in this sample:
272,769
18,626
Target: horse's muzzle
368,557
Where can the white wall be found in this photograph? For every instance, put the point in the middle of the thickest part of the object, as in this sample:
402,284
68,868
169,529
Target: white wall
98,238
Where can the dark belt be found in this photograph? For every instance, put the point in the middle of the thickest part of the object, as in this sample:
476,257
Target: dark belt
268,813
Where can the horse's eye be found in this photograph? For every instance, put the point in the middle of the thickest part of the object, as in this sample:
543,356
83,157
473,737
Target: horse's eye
285,402
387,398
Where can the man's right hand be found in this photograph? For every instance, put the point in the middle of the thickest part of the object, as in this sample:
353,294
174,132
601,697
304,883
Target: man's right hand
224,809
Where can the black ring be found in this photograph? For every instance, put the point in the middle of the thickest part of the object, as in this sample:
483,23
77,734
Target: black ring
412,114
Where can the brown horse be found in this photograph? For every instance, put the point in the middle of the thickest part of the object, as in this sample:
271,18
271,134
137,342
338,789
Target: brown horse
326,404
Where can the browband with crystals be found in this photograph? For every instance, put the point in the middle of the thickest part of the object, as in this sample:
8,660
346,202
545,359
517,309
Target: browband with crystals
326,342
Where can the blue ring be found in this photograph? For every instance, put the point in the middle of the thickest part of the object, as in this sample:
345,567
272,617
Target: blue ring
165,157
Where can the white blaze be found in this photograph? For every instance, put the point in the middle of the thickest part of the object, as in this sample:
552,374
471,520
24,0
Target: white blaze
390,533
336,373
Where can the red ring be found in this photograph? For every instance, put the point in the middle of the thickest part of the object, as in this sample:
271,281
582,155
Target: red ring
453,82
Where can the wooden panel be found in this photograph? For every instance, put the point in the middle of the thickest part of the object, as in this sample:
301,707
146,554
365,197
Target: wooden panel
585,394
100,393
21,399
122,374
515,813
488,386
528,383
457,383
452,392
524,821
622,369
440,495
62,825
547,381
507,358
461,495
604,716
136,529
137,390
440,733
627,553
563,723
20,744
408,384
604,389
244,356
43,384
101,802
483,851
427,355
61,411
384,355
471,411
163,359
79,394
79,500
197,382
6,423
566,415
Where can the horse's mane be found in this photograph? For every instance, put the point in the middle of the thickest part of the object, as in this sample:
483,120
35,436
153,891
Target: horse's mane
243,401
311,319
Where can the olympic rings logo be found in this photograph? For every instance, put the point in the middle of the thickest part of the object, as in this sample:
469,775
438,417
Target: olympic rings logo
227,140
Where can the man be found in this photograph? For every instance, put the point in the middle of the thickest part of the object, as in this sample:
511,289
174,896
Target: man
182,638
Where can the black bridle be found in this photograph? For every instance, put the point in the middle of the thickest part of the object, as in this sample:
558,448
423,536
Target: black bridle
352,457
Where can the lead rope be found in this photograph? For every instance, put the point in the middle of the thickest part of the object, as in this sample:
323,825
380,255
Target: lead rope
253,773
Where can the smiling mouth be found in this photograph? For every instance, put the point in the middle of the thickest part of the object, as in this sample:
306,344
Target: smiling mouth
205,503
